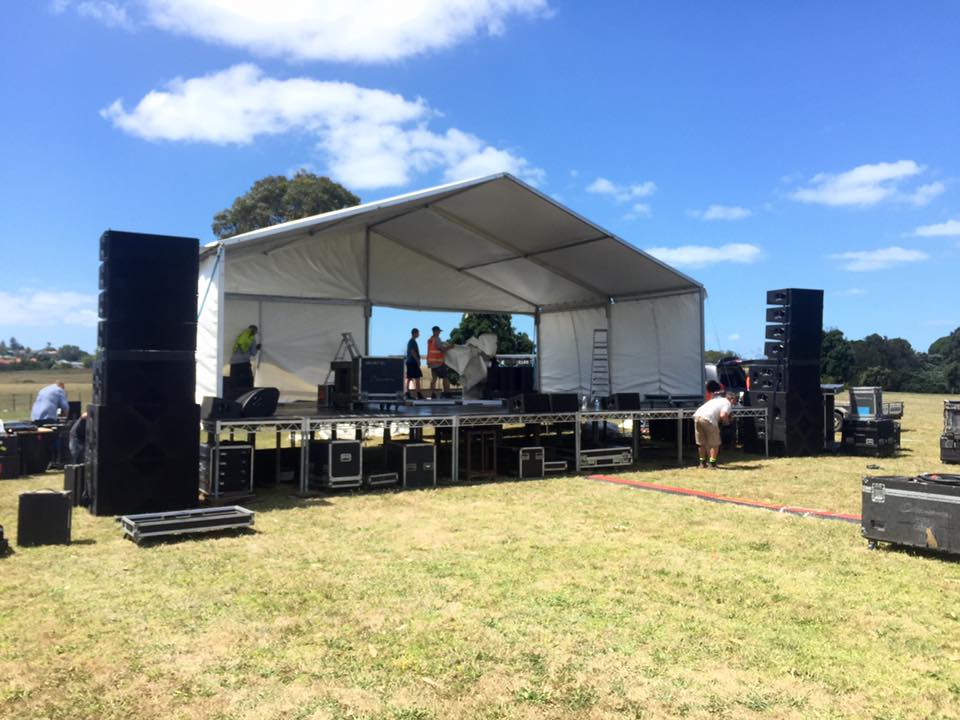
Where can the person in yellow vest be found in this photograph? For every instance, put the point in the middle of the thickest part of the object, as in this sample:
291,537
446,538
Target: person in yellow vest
244,349
436,361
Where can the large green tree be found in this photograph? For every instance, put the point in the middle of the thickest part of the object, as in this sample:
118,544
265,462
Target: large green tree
837,361
509,341
276,199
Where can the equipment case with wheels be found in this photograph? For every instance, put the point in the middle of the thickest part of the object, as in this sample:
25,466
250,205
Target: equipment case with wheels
919,512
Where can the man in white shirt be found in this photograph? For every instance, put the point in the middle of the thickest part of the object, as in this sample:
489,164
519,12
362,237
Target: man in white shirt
706,424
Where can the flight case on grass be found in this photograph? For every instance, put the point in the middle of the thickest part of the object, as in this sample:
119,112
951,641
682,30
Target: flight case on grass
920,512
146,526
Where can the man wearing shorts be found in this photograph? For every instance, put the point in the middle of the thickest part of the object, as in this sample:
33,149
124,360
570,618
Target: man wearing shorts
436,362
706,424
414,373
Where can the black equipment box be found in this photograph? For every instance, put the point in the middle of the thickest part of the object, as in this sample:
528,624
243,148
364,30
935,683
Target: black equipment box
554,466
36,450
506,381
44,518
530,403
520,462
4,544
368,379
146,526
383,479
268,470
325,396
415,463
950,448
920,512
606,457
876,438
336,463
622,402
9,457
564,402
75,484
866,403
227,469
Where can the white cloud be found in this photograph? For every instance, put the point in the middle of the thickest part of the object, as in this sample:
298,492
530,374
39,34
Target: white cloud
733,337
370,138
360,31
622,193
850,292
868,185
637,211
111,14
34,308
721,212
880,259
950,228
700,255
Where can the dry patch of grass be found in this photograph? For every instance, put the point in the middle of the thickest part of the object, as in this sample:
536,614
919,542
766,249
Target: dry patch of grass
562,598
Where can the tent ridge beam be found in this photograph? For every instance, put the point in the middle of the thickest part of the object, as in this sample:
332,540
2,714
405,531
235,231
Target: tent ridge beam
484,235
527,256
417,251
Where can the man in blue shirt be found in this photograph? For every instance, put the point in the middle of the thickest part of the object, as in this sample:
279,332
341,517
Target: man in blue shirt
48,400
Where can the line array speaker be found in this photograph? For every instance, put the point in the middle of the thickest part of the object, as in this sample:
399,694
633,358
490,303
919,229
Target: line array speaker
795,324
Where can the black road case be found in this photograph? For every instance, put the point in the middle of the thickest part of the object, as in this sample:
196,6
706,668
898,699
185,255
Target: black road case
950,448
878,437
415,463
336,463
226,470
520,462
920,512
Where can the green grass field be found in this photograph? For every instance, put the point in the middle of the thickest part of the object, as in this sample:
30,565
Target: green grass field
561,598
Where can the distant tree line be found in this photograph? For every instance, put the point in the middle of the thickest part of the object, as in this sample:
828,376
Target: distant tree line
17,356
892,363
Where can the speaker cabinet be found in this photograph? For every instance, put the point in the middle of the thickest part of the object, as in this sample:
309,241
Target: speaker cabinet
564,402
796,324
797,422
530,403
782,376
142,459
135,377
145,265
623,401
214,408
43,518
259,402
9,457
75,484
142,335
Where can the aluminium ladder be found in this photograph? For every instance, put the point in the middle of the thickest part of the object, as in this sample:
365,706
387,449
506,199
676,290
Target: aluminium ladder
600,365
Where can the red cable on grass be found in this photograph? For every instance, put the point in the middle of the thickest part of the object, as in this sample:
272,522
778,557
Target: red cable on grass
713,497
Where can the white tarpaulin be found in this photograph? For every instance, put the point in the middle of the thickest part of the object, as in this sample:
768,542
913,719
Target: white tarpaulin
488,245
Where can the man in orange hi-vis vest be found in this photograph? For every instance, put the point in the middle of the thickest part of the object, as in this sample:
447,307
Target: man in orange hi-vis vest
436,349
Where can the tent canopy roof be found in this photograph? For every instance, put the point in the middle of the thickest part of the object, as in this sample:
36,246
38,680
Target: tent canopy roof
494,238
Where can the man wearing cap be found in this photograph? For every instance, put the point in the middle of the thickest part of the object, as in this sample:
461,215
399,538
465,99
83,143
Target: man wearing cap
436,349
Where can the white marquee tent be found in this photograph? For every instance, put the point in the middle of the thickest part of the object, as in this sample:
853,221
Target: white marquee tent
493,244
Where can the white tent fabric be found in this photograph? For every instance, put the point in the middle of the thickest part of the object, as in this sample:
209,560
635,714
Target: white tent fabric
489,245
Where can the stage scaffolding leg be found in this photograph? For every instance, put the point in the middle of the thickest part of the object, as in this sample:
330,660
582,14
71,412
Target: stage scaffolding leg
636,438
455,450
680,437
304,457
576,441
768,428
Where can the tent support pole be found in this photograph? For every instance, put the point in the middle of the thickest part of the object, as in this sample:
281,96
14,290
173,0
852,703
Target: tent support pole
607,312
537,339
367,308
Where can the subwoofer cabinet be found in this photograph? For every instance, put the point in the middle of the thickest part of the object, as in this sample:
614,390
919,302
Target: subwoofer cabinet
336,463
415,463
520,462
44,518
919,512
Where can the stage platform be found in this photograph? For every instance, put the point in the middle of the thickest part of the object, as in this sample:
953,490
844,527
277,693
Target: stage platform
303,421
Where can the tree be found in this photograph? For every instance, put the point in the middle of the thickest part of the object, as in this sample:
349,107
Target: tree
837,360
947,347
877,377
509,341
70,353
276,199
15,347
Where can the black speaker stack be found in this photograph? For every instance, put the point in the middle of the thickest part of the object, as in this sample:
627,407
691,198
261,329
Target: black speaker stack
143,434
788,380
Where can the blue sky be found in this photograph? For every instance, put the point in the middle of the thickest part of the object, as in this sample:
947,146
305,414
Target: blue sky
753,145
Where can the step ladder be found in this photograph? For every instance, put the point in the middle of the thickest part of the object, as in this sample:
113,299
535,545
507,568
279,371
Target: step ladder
600,365
347,350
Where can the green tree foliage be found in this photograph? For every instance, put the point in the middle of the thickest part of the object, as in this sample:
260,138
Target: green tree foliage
951,377
15,347
714,356
276,199
509,341
70,353
947,347
837,360
894,356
